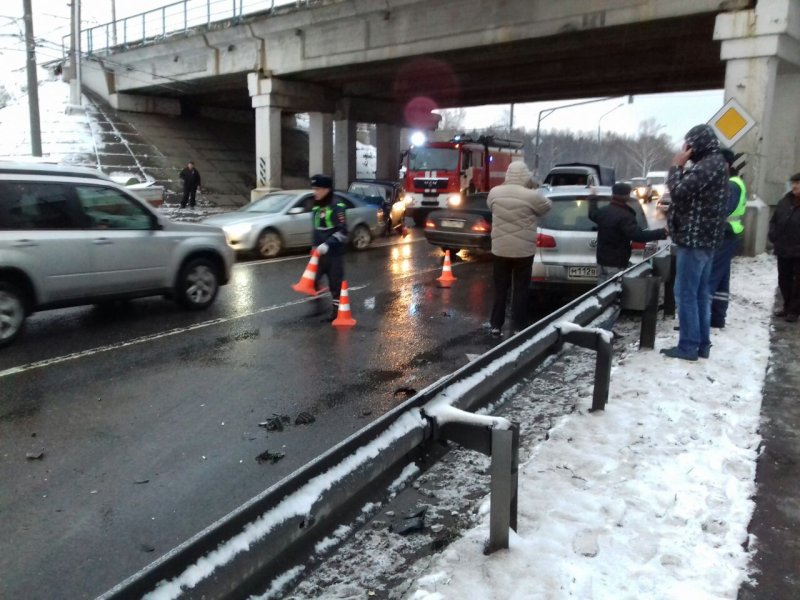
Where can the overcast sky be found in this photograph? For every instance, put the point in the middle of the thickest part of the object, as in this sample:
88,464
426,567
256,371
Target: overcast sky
676,112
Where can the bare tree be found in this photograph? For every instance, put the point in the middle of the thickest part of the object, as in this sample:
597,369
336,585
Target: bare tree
452,119
650,149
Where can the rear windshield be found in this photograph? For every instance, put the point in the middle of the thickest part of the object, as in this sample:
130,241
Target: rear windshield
555,179
433,159
571,213
656,180
475,202
369,193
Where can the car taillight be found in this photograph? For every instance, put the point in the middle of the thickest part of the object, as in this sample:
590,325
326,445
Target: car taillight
545,241
637,245
430,224
481,226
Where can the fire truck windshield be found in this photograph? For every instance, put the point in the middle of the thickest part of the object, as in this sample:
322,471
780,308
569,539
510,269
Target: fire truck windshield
433,159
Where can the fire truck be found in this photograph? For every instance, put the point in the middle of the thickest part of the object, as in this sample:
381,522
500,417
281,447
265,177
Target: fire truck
440,174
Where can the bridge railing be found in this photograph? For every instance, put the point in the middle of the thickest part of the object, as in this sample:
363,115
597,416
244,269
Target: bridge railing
172,19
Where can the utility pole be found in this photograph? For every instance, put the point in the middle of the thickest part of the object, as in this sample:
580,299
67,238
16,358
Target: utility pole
114,21
75,83
33,84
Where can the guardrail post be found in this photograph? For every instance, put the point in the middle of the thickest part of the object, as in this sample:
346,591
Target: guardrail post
647,337
503,498
669,289
502,446
599,341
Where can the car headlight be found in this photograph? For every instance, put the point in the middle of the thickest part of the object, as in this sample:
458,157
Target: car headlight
454,200
237,231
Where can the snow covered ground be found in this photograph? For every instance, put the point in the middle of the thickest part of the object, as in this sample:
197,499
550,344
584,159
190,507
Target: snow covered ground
649,499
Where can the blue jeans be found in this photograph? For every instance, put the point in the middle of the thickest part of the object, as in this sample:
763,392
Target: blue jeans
719,284
694,301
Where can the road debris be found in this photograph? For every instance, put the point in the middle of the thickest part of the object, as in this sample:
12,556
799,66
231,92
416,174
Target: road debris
271,457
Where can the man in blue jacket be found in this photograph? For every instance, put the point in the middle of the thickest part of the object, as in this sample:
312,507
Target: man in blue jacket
695,222
330,237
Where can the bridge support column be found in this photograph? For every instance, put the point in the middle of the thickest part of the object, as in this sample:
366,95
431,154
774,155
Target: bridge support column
268,146
762,51
320,143
388,142
344,154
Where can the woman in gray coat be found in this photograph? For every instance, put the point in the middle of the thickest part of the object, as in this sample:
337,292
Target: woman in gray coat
515,210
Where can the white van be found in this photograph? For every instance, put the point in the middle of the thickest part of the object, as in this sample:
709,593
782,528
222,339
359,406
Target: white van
657,182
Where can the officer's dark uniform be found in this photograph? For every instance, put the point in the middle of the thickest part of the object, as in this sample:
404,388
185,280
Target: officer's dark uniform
330,228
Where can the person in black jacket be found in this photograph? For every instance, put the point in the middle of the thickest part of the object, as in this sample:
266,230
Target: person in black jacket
784,233
330,237
191,181
616,229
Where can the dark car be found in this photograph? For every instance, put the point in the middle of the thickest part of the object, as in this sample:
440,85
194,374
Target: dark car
466,225
386,195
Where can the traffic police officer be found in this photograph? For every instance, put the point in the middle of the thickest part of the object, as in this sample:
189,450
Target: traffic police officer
330,237
719,283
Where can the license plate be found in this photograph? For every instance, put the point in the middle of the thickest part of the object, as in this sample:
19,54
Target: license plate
453,223
581,272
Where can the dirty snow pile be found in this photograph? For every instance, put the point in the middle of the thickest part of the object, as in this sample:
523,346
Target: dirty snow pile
649,499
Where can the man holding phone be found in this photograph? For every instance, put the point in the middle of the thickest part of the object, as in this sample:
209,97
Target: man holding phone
695,222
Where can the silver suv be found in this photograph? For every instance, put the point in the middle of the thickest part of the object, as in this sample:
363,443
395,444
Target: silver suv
71,236
566,243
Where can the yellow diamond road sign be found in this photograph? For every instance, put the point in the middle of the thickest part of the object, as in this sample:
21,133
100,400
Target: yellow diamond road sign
731,123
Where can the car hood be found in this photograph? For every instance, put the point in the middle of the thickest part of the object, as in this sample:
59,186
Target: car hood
236,218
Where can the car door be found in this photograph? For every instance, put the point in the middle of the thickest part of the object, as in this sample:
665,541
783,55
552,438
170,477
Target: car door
299,226
41,234
128,252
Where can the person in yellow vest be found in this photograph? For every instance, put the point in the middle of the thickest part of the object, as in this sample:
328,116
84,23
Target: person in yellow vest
719,283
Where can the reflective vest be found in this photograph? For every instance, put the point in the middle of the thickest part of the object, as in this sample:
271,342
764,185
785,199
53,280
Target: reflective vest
735,218
323,215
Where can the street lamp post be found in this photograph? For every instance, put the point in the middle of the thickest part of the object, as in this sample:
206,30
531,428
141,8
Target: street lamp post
546,112
604,115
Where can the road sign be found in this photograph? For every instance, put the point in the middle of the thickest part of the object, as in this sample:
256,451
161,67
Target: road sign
731,123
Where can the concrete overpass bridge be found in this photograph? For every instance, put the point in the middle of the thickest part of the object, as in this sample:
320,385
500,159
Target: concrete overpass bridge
390,62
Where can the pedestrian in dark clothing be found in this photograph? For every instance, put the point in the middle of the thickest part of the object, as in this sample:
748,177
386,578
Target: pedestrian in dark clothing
784,233
191,181
515,211
330,237
695,218
719,282
616,229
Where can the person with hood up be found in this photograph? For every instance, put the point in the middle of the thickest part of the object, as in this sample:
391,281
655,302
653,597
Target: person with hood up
329,238
695,222
784,233
616,229
515,208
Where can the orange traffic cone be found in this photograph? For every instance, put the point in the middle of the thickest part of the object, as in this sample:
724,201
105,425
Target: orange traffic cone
344,317
446,279
306,283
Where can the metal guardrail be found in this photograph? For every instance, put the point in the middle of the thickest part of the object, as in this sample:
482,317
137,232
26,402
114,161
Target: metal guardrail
243,552
176,18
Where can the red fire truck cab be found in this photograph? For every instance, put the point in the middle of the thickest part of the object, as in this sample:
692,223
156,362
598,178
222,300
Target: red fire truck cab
440,174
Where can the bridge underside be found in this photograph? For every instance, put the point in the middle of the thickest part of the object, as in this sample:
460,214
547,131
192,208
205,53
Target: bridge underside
659,56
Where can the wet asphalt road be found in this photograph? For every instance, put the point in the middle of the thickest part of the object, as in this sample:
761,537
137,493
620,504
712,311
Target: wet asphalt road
147,416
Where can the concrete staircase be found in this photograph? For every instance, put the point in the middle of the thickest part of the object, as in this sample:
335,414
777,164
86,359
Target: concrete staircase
155,148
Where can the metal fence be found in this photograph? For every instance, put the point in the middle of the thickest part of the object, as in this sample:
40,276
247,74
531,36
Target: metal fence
173,19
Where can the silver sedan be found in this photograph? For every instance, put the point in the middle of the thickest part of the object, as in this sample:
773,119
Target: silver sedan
282,220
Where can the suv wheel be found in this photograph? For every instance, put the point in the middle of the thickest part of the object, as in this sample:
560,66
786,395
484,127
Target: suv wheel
12,312
361,238
198,284
269,244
